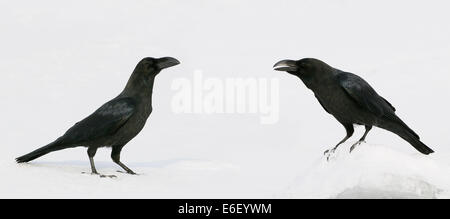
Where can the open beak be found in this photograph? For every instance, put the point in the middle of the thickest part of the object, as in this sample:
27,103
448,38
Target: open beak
167,62
285,65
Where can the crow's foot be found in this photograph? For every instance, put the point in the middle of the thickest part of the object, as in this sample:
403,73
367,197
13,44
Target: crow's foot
101,175
329,152
356,144
130,172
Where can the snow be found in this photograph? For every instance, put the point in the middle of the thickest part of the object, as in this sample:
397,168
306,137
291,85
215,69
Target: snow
374,171
62,60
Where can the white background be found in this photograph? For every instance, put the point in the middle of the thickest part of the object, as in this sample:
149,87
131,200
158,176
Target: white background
61,60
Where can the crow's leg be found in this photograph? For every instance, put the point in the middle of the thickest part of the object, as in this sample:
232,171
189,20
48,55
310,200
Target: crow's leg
91,153
368,128
349,129
115,156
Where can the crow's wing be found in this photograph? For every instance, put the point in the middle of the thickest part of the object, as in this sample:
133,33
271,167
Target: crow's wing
323,106
104,122
390,105
364,95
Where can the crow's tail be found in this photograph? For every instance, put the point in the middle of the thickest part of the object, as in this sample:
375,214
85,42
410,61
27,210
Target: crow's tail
397,126
54,146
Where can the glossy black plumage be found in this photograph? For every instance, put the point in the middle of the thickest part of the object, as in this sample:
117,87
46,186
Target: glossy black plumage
116,122
351,100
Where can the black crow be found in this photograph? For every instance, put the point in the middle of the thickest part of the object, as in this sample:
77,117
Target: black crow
351,100
116,122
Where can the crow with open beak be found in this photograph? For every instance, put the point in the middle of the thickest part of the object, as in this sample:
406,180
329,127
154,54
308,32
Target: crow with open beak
351,100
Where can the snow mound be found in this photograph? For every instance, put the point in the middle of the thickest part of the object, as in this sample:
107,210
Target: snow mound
374,172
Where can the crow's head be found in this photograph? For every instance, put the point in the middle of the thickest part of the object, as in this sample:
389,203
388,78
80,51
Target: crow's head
301,68
153,66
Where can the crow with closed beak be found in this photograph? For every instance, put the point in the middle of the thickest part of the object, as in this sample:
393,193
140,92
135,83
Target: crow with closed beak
116,122
351,100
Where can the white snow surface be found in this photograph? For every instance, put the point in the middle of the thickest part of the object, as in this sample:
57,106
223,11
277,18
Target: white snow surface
59,61
374,172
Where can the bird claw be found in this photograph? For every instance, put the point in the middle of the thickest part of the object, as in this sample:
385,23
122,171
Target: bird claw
329,152
356,144
131,172
101,175
109,176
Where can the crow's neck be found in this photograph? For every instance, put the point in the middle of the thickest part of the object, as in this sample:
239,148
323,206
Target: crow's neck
140,87
308,81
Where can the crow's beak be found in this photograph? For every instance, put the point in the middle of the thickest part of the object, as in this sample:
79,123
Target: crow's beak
167,62
285,65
